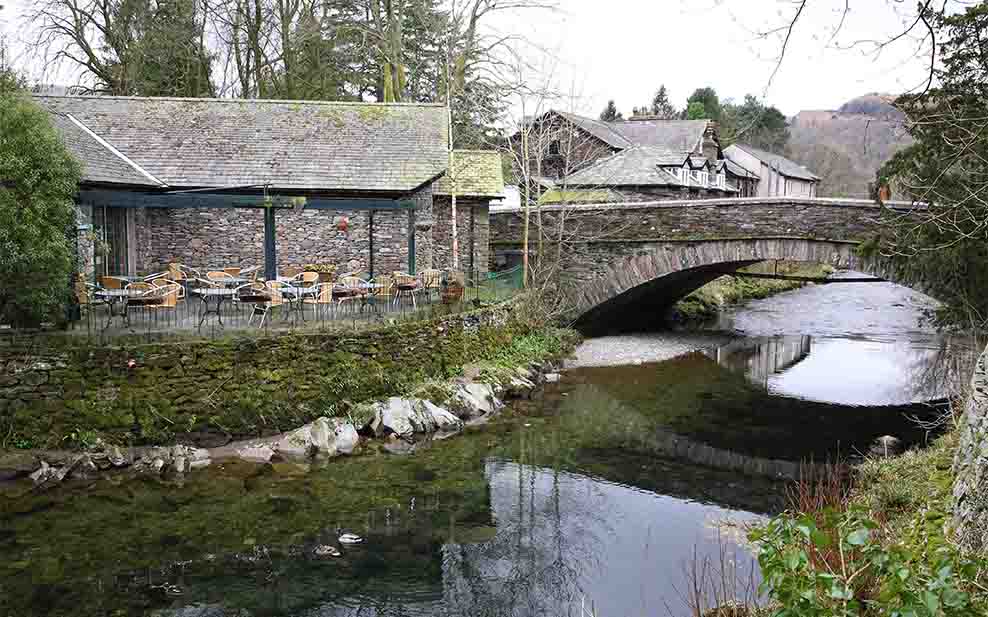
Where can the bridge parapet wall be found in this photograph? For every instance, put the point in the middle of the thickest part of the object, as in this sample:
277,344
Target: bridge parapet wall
831,219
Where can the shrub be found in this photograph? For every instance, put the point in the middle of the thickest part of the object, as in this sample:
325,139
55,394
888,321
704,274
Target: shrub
841,564
38,179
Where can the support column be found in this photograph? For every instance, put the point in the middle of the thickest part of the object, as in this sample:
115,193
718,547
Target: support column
270,249
370,238
411,241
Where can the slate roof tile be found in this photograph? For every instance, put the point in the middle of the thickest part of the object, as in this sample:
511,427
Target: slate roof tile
312,145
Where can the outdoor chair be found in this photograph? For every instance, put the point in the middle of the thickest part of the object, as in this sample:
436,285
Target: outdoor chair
234,272
291,271
406,285
85,294
169,293
153,277
383,289
259,297
350,288
324,296
431,281
306,279
220,277
112,282
250,273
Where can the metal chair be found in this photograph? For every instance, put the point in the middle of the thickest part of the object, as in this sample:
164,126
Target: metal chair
350,288
405,286
432,280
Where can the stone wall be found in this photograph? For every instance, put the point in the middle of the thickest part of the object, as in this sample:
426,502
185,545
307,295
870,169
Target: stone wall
53,387
712,218
466,208
971,465
207,238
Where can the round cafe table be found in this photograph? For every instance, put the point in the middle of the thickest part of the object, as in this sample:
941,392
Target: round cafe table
214,296
118,301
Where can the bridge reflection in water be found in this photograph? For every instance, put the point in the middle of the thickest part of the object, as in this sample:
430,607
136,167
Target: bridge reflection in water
760,359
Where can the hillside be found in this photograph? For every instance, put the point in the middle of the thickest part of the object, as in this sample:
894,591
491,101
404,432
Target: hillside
846,146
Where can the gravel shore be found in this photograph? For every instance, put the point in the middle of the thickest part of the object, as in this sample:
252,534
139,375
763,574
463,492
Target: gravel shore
641,348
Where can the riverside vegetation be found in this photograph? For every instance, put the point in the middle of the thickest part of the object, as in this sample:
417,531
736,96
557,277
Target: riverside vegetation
706,302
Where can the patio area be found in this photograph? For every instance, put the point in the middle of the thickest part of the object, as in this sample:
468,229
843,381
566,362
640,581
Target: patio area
185,301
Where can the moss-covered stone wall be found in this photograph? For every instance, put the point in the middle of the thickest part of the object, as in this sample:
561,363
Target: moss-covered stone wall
56,390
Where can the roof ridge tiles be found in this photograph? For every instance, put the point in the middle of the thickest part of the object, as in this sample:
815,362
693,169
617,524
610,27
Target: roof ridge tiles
232,100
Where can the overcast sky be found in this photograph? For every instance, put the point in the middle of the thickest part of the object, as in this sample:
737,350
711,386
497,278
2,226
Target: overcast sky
623,49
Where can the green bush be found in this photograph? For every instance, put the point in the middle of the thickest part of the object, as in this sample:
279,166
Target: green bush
843,564
38,179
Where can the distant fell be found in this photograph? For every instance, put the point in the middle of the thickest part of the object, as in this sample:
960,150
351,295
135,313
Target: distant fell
846,146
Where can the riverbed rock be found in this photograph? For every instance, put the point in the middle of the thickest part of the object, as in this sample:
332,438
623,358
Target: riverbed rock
17,465
44,474
519,387
407,416
255,453
323,437
472,400
886,445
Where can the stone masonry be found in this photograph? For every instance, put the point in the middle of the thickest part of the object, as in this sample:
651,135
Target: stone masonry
207,238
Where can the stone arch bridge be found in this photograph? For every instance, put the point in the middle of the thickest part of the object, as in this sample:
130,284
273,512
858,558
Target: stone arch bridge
623,264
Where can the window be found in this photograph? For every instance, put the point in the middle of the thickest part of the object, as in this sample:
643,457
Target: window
722,180
700,177
554,148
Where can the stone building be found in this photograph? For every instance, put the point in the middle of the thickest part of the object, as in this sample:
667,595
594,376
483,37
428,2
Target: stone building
777,175
579,159
574,159
215,183
477,179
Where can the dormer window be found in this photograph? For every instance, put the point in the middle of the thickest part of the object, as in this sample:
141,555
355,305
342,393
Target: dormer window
722,180
700,177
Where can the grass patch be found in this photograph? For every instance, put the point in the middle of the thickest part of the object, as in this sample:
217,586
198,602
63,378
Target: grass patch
704,303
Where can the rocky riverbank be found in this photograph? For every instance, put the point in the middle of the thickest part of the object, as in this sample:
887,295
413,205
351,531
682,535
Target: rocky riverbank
396,425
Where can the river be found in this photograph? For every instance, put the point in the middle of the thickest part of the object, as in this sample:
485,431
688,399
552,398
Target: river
651,453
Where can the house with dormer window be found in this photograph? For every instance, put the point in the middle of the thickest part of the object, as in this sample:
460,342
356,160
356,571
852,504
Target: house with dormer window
575,159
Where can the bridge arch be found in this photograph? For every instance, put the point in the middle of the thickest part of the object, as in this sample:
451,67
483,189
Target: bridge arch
633,289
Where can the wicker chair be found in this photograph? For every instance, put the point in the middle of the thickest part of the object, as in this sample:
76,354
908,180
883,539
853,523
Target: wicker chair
306,279
219,277
112,282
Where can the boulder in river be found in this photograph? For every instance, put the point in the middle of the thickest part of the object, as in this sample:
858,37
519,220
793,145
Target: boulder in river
472,400
323,437
406,416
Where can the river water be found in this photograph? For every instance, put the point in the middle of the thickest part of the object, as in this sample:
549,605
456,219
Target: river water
600,492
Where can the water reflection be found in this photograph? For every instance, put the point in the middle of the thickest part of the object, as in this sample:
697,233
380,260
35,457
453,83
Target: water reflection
859,371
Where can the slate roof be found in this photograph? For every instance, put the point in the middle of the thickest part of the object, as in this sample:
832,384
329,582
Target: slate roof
784,165
736,169
99,163
672,135
635,166
600,130
478,174
310,145
676,135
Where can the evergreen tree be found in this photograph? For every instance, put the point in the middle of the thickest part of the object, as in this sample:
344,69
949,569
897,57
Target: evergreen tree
754,123
38,179
708,98
946,244
610,113
661,106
